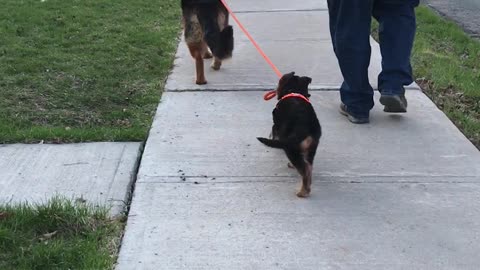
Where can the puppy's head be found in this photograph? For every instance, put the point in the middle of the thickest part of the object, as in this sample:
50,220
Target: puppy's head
290,83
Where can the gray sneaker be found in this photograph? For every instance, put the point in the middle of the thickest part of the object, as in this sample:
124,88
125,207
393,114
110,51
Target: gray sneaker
351,118
394,103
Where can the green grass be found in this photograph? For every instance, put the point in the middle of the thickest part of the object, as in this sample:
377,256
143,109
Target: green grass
57,235
85,70
446,63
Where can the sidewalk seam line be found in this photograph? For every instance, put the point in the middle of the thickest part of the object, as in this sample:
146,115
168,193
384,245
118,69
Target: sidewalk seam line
280,11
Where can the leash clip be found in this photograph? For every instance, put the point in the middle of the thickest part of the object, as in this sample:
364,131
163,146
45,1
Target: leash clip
269,95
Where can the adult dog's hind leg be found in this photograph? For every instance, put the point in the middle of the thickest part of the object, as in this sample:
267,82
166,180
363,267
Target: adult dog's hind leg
222,18
216,64
197,51
207,55
222,21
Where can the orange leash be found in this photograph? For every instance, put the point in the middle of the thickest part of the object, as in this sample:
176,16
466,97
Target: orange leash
271,94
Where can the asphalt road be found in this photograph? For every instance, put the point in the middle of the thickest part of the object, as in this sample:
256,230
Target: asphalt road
464,12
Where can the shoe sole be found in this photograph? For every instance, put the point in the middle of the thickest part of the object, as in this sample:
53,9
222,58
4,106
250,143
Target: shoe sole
393,104
352,119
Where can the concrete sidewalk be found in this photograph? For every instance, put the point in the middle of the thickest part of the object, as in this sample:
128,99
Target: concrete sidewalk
97,173
295,41
400,193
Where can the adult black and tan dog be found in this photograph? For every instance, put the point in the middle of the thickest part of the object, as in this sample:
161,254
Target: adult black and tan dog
206,27
296,128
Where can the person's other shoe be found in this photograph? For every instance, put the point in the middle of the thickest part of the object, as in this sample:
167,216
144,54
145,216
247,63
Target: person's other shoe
394,103
352,118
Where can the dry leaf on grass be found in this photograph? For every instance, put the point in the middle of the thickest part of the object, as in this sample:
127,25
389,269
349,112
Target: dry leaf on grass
48,236
4,215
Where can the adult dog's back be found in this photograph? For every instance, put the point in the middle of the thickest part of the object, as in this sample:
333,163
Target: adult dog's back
206,26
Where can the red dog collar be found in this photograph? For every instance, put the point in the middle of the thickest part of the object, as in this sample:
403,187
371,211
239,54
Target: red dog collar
295,95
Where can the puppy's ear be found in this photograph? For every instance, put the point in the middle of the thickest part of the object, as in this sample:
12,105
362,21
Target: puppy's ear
303,83
306,80
286,79
288,76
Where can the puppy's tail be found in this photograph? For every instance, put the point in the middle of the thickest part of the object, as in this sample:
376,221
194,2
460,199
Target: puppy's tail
221,42
272,143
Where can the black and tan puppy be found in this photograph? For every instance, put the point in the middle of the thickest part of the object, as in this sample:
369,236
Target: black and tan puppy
296,128
206,27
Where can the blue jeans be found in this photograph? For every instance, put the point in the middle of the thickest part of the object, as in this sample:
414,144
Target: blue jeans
350,22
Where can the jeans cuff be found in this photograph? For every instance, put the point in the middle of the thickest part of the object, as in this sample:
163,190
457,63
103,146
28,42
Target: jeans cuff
392,92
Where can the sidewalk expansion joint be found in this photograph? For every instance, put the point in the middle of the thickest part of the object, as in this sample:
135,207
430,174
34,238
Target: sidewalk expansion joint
261,88
213,182
281,10
331,179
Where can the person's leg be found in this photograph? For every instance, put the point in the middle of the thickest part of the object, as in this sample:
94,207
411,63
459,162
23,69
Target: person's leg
396,32
350,31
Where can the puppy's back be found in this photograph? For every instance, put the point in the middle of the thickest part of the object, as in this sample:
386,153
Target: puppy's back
297,120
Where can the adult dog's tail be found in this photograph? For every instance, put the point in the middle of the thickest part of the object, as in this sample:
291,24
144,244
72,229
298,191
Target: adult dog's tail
221,42
272,143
